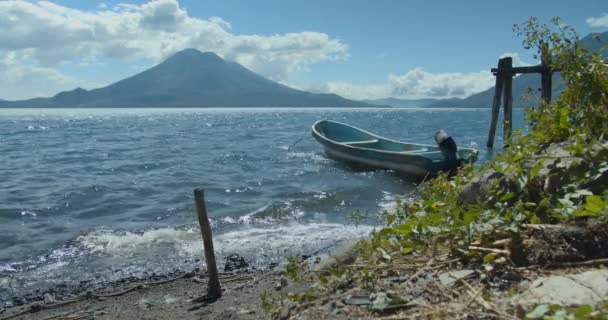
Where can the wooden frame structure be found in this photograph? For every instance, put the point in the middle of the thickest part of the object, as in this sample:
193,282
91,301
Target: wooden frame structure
504,88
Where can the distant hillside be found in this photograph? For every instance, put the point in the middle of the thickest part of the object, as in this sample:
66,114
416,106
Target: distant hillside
521,96
407,103
191,78
522,83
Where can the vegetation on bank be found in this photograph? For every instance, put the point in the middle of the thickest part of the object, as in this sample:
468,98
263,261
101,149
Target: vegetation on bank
528,184
577,189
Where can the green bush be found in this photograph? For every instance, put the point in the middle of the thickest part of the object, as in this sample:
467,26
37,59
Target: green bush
578,117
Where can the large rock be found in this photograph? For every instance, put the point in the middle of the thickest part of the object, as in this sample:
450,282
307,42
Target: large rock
554,160
590,287
235,262
344,254
476,191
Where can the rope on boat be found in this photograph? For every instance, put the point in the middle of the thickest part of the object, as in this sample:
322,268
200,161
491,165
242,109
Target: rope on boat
299,140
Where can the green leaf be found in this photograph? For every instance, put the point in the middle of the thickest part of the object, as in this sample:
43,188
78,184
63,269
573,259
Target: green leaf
594,204
583,311
585,213
534,171
507,196
468,217
535,219
555,307
406,250
489,258
405,228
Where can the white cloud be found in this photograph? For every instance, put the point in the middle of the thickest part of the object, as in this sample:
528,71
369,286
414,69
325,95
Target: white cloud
48,34
598,22
219,21
353,91
419,84
414,84
21,81
517,61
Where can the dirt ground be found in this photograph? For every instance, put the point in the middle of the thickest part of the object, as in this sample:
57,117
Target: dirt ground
170,300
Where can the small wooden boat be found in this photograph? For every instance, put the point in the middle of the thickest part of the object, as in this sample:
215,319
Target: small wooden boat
363,149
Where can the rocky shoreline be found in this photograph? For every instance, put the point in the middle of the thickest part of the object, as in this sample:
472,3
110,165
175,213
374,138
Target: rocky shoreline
171,296
176,295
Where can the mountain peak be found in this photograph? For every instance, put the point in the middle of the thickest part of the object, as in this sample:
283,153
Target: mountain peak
191,78
194,54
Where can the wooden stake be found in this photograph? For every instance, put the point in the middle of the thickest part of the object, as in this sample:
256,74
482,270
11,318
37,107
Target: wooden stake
214,290
496,104
546,74
508,100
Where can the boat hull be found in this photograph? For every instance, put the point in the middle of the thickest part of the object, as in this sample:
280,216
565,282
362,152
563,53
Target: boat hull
362,149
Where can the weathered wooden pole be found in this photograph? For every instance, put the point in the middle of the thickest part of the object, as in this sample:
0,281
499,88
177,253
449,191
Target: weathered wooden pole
546,75
496,104
508,99
214,291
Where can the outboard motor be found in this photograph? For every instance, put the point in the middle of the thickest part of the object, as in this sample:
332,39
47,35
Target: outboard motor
449,150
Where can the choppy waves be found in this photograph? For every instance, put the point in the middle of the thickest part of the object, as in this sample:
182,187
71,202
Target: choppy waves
96,195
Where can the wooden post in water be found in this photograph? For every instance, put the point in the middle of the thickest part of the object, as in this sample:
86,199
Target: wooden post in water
508,99
496,104
546,74
504,85
214,291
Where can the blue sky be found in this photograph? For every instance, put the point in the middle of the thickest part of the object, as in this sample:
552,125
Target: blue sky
359,49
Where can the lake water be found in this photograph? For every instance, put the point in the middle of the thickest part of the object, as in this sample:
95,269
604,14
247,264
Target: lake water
95,195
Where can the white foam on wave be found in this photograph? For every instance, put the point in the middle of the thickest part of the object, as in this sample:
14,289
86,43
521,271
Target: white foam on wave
249,217
252,217
7,268
248,241
308,156
109,242
322,195
28,213
389,200
288,239
36,128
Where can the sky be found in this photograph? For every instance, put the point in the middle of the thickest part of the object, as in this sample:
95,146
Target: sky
355,48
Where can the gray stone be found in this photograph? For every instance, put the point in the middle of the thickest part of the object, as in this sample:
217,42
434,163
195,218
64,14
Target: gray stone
246,311
199,280
144,303
49,298
235,262
554,158
379,298
282,283
448,278
588,287
345,253
358,300
477,189
284,313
